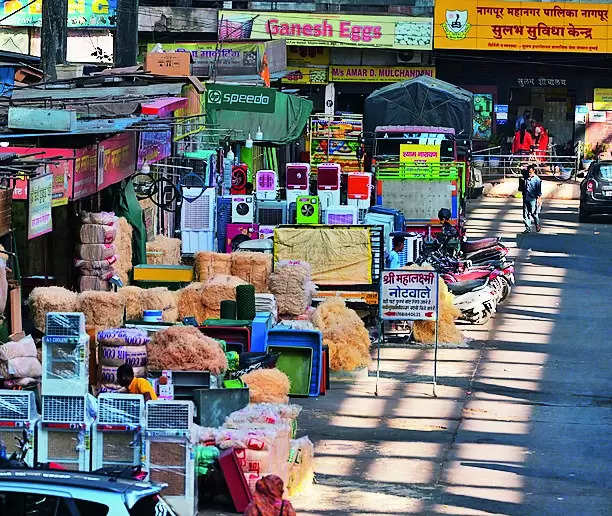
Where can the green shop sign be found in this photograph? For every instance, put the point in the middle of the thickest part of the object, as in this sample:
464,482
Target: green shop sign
240,98
81,13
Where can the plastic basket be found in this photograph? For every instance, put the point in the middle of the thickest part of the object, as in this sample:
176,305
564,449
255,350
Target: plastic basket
296,363
214,405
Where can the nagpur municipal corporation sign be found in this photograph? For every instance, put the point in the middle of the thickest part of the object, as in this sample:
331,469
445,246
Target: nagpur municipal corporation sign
240,98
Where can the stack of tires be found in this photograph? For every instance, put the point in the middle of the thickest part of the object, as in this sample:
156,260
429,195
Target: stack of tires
118,346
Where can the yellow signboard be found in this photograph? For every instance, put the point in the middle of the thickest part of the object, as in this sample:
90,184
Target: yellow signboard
307,56
305,75
419,154
364,73
530,26
602,99
328,30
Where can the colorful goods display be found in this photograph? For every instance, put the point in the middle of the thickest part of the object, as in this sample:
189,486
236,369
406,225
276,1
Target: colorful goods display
336,139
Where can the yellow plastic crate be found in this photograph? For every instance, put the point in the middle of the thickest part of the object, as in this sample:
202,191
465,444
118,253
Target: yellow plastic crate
163,273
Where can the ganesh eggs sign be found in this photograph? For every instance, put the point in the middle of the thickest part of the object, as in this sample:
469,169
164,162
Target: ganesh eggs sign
409,295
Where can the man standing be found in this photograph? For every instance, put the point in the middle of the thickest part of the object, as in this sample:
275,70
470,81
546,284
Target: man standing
393,261
531,188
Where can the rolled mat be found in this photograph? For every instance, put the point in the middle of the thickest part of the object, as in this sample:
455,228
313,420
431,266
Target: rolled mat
228,309
245,302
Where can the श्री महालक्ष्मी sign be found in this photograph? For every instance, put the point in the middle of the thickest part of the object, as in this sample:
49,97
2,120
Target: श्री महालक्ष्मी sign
408,295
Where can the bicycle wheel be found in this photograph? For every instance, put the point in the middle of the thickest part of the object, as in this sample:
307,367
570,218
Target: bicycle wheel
145,186
167,195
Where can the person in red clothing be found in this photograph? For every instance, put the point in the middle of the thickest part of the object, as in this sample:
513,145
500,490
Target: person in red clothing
522,142
541,142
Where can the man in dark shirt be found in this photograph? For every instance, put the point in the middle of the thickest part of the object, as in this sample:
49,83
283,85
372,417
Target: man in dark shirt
531,188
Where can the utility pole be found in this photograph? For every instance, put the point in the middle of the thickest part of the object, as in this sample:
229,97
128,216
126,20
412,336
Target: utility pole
53,36
125,48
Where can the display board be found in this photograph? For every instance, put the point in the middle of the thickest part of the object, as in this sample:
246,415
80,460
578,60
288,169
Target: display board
420,200
336,139
409,295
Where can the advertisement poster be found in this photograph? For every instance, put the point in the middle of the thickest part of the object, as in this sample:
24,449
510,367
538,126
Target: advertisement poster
328,30
532,26
116,159
85,172
365,73
240,98
419,154
602,97
483,116
153,146
39,206
408,295
81,13
305,75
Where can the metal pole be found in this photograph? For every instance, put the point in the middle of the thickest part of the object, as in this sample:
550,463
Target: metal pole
435,371
381,335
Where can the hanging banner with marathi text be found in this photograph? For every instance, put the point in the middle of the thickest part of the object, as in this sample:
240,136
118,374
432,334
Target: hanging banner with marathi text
531,26
39,203
116,159
365,73
81,13
420,154
408,295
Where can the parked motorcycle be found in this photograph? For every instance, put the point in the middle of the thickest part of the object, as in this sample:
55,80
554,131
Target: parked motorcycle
477,299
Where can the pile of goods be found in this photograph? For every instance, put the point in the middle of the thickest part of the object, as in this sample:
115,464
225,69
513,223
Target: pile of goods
292,286
163,250
117,346
96,253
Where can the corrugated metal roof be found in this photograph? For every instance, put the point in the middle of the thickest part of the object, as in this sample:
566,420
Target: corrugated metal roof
99,126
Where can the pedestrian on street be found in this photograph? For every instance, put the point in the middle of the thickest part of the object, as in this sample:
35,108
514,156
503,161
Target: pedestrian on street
531,188
522,142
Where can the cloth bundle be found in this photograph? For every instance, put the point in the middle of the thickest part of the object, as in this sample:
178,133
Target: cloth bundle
19,359
292,286
96,253
117,346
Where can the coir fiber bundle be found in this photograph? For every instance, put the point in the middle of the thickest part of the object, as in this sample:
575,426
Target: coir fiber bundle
164,251
209,264
185,348
219,288
254,268
160,298
189,301
102,309
345,334
292,286
50,299
267,386
424,331
123,243
133,302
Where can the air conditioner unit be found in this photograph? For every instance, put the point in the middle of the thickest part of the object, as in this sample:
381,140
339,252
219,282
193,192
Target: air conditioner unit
18,414
272,213
169,452
341,215
224,217
308,209
266,183
409,57
297,181
235,234
198,220
240,175
64,431
243,208
118,435
65,355
358,189
328,184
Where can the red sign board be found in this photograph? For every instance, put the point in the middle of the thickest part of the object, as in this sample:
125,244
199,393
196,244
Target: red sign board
85,172
116,159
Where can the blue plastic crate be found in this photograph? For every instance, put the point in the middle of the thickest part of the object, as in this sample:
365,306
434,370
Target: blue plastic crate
309,338
259,331
224,217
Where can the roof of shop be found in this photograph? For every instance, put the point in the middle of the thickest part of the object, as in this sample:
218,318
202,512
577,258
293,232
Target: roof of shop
97,126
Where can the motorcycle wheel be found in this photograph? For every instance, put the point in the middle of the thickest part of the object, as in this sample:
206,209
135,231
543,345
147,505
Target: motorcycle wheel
499,289
506,288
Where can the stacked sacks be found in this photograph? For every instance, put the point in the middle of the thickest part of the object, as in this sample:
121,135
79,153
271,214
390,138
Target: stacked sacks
50,299
163,250
19,362
117,346
292,286
97,251
345,334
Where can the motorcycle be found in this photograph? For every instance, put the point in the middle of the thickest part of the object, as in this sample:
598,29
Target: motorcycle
500,278
476,299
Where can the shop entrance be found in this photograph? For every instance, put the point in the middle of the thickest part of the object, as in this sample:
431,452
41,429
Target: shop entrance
551,106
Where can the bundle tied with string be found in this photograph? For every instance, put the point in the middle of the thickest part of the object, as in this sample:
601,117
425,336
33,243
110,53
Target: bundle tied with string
102,309
217,289
160,298
292,287
254,268
345,334
163,250
209,264
448,333
50,299
190,302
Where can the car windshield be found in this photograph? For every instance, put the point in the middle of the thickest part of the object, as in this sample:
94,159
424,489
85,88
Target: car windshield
605,172
153,505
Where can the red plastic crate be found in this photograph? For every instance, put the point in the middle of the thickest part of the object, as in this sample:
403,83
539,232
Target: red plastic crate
234,478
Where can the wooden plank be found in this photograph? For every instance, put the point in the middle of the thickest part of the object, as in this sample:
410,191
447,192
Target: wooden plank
39,119
15,304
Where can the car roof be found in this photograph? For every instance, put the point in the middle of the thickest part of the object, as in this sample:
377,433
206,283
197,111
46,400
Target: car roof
80,480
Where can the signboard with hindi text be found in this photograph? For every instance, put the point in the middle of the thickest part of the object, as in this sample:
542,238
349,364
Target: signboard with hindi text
420,154
81,13
367,73
408,295
531,26
40,193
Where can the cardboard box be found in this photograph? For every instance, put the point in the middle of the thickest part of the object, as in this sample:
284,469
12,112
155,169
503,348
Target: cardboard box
168,63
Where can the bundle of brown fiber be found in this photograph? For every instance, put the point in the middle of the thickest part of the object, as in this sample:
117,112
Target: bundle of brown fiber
164,251
160,298
267,386
208,264
123,243
50,299
132,297
254,268
190,303
292,287
185,348
424,331
217,289
102,309
345,334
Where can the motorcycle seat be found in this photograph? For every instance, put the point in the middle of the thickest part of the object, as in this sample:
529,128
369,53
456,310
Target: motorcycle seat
475,245
462,287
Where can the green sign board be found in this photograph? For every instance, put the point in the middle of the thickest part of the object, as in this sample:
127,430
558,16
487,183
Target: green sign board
240,98
81,13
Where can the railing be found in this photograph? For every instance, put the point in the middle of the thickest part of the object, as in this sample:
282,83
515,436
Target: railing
495,167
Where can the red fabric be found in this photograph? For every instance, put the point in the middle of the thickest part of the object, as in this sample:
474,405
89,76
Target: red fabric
525,146
268,499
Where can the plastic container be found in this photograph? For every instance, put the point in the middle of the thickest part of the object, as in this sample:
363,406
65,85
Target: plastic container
184,382
259,330
152,316
234,478
237,338
296,363
214,405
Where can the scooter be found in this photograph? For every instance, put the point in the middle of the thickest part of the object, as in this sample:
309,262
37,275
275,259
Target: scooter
501,279
476,299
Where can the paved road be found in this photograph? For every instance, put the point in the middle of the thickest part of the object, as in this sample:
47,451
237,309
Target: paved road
521,425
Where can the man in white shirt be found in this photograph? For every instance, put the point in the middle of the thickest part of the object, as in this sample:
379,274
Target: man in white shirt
398,247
